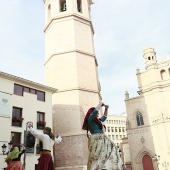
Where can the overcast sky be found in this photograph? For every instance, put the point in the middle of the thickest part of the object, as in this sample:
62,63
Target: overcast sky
123,28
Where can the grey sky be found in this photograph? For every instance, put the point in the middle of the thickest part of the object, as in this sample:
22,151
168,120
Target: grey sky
123,28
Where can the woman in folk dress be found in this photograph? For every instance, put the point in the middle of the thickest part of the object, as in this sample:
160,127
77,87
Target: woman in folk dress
103,153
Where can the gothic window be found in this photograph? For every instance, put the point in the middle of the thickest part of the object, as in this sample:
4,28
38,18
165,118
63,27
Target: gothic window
79,6
63,5
163,74
139,119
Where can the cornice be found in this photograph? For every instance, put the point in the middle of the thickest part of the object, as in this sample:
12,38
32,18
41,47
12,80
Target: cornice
67,16
71,51
28,82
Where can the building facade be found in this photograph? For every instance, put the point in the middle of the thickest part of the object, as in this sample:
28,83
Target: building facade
23,101
71,66
116,128
116,131
148,115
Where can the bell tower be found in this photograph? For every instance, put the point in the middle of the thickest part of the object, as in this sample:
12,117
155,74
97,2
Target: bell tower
71,67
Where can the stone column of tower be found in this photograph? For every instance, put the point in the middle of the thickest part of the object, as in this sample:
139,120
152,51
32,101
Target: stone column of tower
71,67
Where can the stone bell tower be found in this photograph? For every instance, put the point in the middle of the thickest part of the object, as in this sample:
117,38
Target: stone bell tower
71,67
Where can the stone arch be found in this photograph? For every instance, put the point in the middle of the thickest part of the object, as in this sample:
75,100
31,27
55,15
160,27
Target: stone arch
144,151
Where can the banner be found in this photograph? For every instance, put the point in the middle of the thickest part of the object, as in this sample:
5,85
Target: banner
5,104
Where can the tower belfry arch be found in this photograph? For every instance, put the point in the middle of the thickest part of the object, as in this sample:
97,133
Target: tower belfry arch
71,67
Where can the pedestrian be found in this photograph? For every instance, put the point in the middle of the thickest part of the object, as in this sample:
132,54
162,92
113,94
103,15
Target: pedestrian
14,158
103,153
47,140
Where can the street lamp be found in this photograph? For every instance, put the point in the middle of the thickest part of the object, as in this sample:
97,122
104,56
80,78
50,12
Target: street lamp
156,158
120,151
3,148
10,145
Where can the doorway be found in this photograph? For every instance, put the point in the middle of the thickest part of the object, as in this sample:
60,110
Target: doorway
147,163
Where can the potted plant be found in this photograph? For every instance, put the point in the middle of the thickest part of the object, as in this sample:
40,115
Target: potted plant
41,122
17,119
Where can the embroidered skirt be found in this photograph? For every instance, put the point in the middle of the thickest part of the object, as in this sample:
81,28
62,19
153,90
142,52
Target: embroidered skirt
103,154
15,165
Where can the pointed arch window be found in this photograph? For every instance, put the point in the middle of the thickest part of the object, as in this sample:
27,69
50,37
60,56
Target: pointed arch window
139,119
79,6
49,11
63,5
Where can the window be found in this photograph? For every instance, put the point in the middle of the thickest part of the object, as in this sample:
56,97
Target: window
18,90
40,95
63,6
112,129
79,5
123,129
16,137
113,137
115,129
17,117
108,129
32,91
139,119
26,89
49,11
163,74
41,120
119,129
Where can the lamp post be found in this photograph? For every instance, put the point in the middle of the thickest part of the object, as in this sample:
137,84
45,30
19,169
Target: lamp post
25,142
3,148
10,145
156,158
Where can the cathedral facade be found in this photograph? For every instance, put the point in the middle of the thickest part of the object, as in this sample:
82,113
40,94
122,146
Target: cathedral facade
148,115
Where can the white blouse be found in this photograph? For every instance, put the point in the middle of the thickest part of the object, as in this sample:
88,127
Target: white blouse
46,140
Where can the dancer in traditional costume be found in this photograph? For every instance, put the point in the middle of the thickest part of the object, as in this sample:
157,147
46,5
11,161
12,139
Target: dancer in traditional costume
47,141
103,153
15,156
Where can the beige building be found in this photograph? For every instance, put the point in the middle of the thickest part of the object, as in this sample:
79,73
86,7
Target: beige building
116,127
148,115
23,101
116,131
71,66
